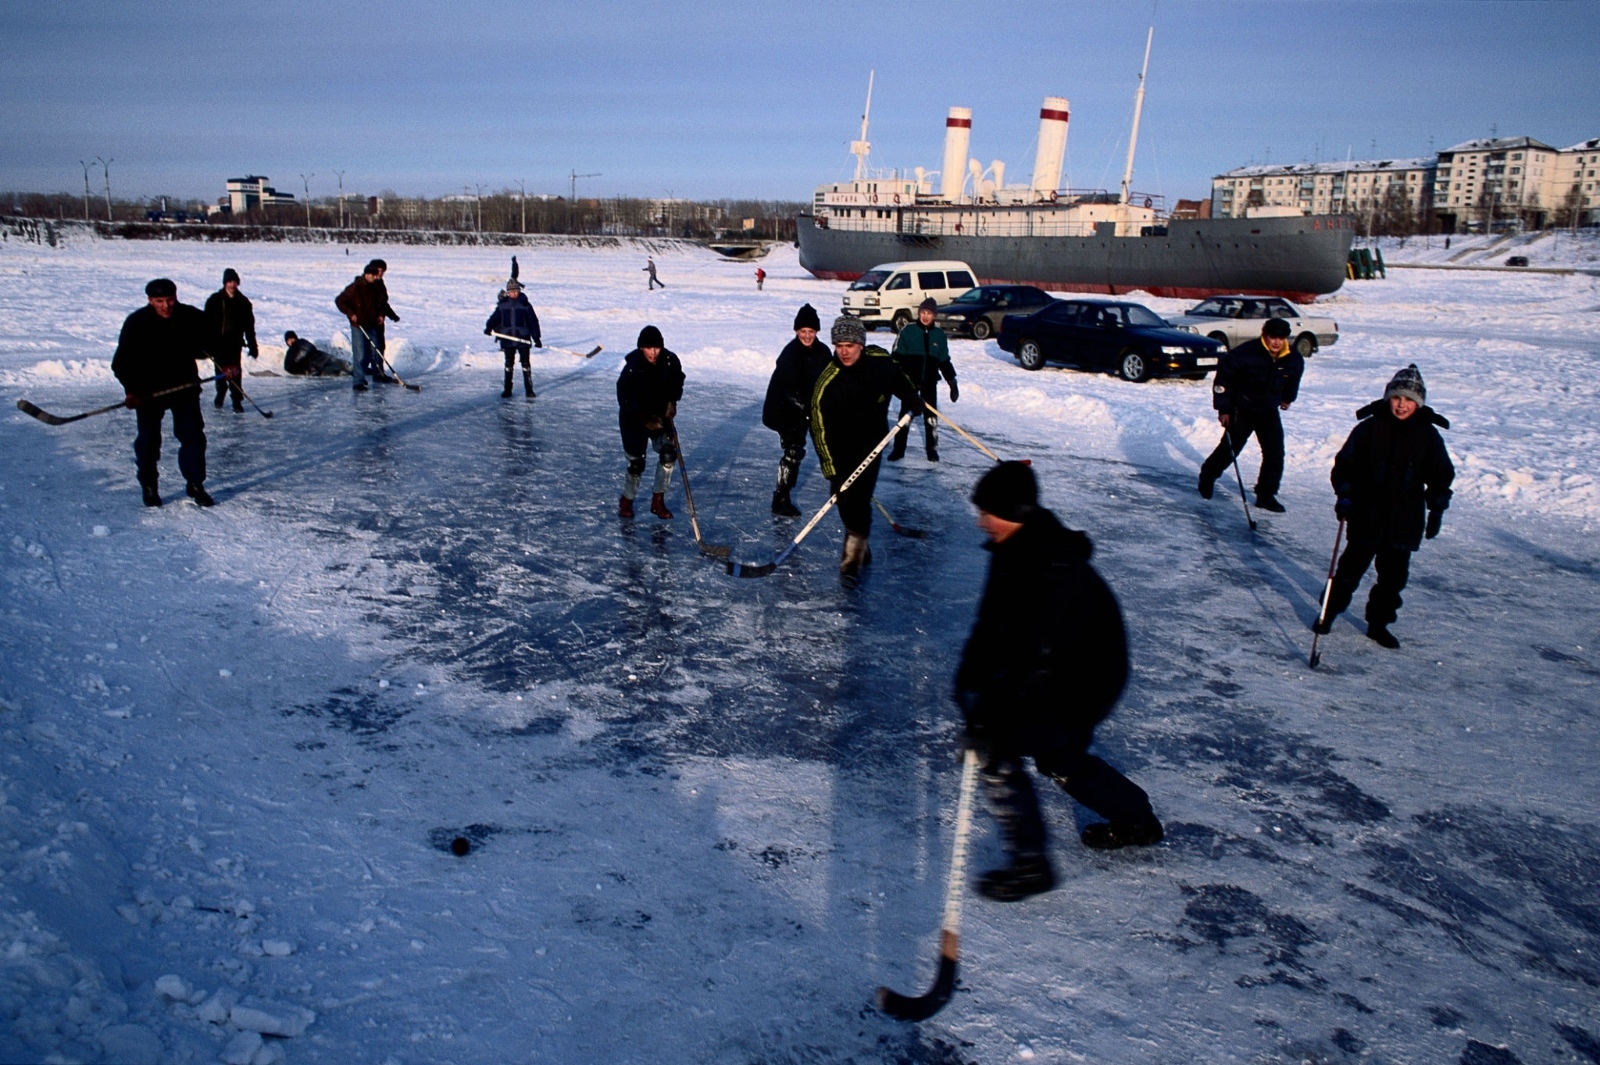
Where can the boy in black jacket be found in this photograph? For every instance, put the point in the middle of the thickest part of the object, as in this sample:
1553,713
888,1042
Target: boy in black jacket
1255,381
648,390
1045,664
1393,466
787,410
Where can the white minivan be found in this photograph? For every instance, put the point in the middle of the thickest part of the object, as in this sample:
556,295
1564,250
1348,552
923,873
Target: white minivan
889,293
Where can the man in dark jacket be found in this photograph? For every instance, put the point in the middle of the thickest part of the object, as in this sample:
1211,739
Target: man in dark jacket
648,390
231,322
922,352
1045,663
302,358
1392,469
359,302
787,410
157,351
513,316
1255,381
849,417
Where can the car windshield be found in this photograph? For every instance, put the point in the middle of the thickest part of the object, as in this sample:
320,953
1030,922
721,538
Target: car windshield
1213,309
975,295
1135,315
869,281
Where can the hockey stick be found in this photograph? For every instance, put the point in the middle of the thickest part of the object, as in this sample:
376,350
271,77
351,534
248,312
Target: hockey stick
55,419
1327,594
714,550
740,569
384,360
582,354
902,1007
1227,435
974,441
915,534
253,403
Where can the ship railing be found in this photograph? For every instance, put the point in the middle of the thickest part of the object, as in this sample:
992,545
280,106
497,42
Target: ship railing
1016,222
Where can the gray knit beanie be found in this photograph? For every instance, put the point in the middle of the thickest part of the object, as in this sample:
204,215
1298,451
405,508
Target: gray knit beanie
1408,383
847,330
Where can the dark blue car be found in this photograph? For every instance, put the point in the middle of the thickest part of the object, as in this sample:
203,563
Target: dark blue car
1127,339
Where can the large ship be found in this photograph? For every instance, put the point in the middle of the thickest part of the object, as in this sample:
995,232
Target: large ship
1080,241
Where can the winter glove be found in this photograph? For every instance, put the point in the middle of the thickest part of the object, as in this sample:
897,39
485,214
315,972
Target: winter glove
1435,519
652,425
955,392
538,343
1341,509
255,353
130,400
488,332
393,317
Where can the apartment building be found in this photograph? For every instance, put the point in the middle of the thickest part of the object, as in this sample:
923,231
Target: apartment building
1574,195
1387,190
1494,181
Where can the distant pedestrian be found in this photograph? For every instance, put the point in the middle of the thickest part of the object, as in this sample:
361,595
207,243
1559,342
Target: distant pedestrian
1392,470
849,417
761,277
922,351
1254,382
787,410
231,323
302,358
1447,243
359,303
513,317
156,351
650,268
648,390
1045,664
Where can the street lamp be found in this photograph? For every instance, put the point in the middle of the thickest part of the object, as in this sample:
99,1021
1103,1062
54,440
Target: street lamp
341,197
85,189
105,165
478,200
305,183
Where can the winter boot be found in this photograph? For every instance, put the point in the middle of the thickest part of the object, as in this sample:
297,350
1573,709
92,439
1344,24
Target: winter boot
152,495
1028,874
1379,634
505,393
658,507
624,507
238,408
1110,836
933,454
898,452
527,384
782,505
852,558
788,473
1269,503
198,493
1208,485
930,438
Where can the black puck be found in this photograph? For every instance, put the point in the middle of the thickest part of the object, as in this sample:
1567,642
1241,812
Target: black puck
460,846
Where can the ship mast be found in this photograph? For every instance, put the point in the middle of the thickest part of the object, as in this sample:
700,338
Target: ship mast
860,148
1138,106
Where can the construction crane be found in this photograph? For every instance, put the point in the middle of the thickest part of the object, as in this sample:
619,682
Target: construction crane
574,176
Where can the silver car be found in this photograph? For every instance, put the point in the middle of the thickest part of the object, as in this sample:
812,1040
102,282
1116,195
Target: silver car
1234,320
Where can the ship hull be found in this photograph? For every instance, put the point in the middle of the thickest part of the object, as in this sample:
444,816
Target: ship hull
1298,258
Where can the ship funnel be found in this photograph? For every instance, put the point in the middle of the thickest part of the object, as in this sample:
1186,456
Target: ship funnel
957,135
1052,145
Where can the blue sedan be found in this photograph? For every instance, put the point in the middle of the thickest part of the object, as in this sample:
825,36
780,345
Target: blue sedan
1127,339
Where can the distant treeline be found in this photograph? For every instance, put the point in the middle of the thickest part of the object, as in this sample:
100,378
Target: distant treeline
502,212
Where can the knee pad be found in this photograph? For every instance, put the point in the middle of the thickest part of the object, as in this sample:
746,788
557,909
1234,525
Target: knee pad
794,455
636,464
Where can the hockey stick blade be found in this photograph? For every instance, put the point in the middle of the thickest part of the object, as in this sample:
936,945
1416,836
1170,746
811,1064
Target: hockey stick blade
903,1008
591,353
43,415
716,550
742,569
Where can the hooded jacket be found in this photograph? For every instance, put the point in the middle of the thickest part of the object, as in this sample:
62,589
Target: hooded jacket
787,410
644,389
1392,471
1048,654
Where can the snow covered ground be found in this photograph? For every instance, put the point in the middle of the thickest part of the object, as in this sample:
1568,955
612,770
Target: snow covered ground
710,815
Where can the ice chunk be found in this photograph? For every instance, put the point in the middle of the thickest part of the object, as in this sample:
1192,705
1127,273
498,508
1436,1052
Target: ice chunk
272,1018
102,530
130,1044
215,1009
242,1048
174,987
276,948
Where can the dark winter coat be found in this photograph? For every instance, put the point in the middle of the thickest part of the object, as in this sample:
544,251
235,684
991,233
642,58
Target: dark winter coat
155,353
787,410
514,317
923,355
1390,471
1048,655
643,391
850,408
1249,379
305,359
360,300
232,322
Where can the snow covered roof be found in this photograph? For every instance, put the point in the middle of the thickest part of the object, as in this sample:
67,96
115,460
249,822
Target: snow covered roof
1590,145
1497,144
1342,167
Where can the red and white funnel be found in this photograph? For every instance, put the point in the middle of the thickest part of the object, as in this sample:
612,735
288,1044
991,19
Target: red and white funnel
1052,145
957,137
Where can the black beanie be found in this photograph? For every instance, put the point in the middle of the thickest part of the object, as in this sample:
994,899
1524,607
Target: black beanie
230,274
650,336
1008,491
161,287
806,318
929,304
374,266
1276,327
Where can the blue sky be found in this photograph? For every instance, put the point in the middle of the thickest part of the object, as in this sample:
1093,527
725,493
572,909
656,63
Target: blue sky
758,99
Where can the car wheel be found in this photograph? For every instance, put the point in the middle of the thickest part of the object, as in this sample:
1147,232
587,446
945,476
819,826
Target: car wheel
901,319
1305,345
1131,365
981,329
1221,338
1031,355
